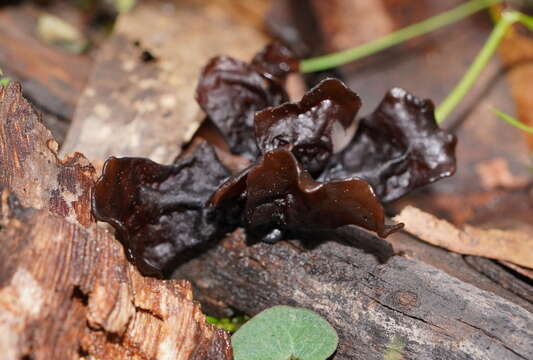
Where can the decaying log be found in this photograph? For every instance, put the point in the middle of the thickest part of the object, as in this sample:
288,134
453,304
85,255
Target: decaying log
500,275
140,97
66,288
372,305
432,313
455,265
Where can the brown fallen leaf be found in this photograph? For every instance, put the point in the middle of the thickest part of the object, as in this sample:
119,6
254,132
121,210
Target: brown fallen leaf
507,245
495,173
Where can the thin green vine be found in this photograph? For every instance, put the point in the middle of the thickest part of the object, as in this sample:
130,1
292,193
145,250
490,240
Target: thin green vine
446,18
507,19
471,75
512,121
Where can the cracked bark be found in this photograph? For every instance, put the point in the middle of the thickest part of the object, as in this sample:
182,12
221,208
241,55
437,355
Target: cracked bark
66,288
371,304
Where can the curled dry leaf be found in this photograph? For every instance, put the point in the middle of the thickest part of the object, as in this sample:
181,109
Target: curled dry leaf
397,148
230,91
507,245
279,196
313,126
159,210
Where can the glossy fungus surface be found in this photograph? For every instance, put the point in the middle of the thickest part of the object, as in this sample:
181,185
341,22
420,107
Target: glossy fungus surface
275,61
230,91
312,126
397,148
159,210
312,169
282,197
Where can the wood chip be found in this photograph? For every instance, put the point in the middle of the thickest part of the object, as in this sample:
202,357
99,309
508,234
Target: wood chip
140,97
508,245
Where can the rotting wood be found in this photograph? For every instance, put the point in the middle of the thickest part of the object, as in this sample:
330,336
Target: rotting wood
66,288
499,275
133,107
452,264
30,166
369,303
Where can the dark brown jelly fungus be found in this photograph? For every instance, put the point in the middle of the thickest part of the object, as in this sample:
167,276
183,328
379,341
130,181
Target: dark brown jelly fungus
159,210
313,126
275,61
230,91
397,148
280,196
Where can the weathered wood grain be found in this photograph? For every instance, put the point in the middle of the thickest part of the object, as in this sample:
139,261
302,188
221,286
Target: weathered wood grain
30,166
372,305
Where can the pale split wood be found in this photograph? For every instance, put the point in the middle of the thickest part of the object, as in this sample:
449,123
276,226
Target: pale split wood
508,245
66,290
136,108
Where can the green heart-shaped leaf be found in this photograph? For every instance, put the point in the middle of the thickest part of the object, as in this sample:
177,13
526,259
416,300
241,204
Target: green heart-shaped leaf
283,333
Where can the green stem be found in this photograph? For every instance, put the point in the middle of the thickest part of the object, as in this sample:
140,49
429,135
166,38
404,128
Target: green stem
471,75
526,20
513,121
426,26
